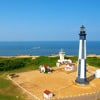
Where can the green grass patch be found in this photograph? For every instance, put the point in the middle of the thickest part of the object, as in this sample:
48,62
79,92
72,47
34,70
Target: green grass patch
9,91
45,60
4,83
94,61
3,97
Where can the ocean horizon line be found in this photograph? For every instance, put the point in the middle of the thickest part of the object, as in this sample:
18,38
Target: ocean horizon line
54,41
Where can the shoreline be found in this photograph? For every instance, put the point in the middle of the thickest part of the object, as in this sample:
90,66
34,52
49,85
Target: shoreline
34,56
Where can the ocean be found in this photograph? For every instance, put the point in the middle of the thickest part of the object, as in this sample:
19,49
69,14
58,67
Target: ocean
46,48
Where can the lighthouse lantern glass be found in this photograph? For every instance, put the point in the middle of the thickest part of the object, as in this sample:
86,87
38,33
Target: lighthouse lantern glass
82,28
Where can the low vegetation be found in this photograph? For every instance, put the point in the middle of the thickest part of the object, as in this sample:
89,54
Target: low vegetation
8,91
94,61
8,64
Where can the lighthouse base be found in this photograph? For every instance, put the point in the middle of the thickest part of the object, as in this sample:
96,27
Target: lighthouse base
81,81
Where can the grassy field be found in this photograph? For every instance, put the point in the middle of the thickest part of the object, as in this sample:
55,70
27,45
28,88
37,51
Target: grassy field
9,91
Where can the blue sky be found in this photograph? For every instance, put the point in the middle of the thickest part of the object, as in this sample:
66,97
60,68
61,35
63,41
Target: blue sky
48,20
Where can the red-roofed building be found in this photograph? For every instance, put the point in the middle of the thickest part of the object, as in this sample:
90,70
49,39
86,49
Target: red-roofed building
45,68
47,94
69,67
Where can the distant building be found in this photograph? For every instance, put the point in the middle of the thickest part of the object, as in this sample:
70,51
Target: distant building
61,55
61,59
58,64
45,68
97,73
42,68
47,94
70,67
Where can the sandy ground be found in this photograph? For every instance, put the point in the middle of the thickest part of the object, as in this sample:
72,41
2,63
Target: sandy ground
20,56
60,82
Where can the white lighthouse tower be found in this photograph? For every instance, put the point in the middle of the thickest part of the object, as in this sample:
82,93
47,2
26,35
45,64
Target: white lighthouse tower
81,73
61,55
61,59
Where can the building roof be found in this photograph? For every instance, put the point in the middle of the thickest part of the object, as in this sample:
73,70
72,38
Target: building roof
46,66
47,92
70,64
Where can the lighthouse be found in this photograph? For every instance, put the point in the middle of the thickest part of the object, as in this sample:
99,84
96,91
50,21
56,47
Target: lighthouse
62,54
81,72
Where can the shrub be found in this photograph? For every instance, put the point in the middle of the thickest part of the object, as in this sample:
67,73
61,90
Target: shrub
94,61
